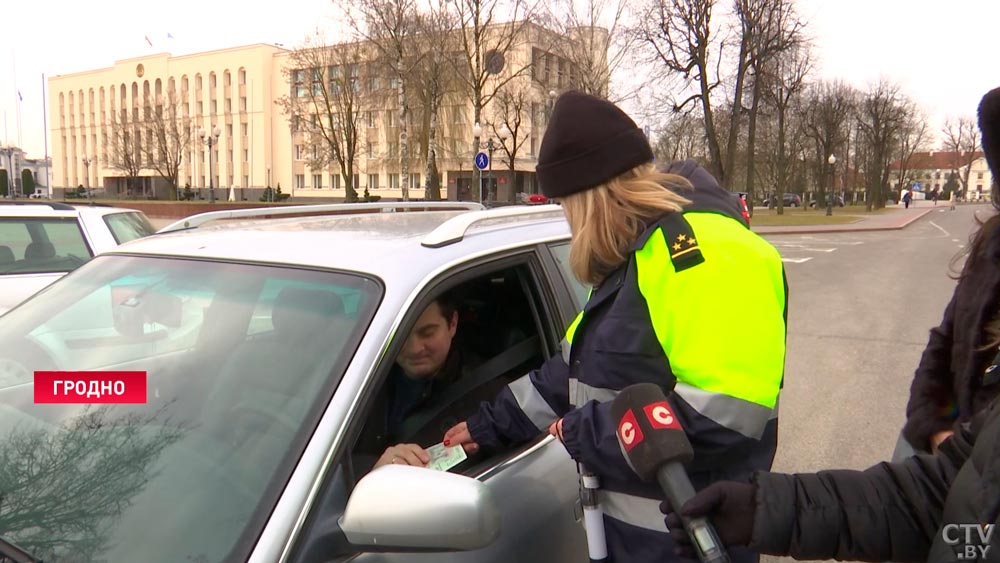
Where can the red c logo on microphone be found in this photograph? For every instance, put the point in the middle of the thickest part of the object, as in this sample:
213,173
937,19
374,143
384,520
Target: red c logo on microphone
629,433
660,416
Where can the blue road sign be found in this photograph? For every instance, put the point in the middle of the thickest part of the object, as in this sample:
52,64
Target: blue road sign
482,160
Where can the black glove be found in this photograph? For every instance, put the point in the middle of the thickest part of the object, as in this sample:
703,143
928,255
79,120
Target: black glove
728,505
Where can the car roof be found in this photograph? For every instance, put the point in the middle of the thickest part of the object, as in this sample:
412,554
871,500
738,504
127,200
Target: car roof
387,245
56,209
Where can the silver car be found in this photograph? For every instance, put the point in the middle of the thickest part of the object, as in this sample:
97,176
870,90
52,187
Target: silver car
264,346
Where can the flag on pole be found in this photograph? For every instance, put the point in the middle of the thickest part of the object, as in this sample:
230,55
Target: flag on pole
169,36
148,41
19,97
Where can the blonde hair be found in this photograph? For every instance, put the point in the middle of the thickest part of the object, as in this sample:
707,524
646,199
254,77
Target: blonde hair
607,219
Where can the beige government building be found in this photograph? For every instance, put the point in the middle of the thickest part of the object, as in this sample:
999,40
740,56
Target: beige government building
238,91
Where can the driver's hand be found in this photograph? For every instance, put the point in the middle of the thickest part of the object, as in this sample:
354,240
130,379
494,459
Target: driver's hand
404,454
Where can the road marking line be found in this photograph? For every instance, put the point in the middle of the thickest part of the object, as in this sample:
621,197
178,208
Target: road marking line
796,260
938,227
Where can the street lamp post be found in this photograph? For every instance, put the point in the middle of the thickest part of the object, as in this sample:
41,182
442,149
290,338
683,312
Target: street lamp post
86,167
211,138
490,145
829,197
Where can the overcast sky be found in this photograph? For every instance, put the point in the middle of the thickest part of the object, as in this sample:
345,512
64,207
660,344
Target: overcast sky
938,51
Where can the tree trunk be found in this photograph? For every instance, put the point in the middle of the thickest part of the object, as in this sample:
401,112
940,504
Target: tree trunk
781,161
751,144
404,161
433,186
734,123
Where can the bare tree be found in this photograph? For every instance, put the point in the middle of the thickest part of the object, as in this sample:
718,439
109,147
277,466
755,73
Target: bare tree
881,118
680,36
512,116
125,153
912,137
490,30
170,133
390,26
786,79
433,80
599,45
827,113
961,137
681,136
326,103
770,28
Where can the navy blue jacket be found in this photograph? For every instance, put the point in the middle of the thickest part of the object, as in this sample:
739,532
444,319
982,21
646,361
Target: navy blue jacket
615,346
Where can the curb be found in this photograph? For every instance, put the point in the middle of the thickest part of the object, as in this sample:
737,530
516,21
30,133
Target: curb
847,228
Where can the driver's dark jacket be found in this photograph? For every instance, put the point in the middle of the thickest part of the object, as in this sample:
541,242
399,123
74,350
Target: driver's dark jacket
893,511
391,408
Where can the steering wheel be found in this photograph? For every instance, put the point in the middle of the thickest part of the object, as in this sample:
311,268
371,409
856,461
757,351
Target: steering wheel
24,360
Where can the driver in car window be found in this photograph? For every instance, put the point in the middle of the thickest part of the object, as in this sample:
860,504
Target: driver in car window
431,360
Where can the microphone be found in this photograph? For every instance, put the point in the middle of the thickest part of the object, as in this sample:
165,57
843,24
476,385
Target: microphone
655,446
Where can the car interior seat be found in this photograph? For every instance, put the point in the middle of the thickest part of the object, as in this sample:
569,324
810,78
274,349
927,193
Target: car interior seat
270,382
39,251
6,255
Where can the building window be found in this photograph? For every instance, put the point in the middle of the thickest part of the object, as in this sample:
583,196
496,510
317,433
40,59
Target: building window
229,131
979,175
299,83
246,155
243,129
335,181
370,119
368,149
246,181
317,181
373,181
414,180
979,187
298,152
315,151
300,181
357,181
229,106
215,107
393,181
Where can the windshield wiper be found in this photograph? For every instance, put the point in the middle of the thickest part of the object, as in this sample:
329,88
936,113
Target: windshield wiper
11,552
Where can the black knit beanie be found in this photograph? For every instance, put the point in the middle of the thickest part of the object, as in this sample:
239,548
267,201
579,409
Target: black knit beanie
588,142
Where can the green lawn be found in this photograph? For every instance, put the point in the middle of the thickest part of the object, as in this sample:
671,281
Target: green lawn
798,216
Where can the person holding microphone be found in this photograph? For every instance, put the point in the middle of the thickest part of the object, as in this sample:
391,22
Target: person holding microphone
684,296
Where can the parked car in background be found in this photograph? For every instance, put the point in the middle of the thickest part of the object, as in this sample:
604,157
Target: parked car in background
266,346
788,200
838,201
42,241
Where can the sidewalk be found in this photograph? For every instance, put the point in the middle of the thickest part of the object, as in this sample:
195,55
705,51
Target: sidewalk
893,219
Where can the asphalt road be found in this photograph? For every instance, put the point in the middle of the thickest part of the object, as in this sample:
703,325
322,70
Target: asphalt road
860,308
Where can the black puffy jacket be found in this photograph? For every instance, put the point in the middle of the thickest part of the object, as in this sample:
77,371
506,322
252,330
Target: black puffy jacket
909,511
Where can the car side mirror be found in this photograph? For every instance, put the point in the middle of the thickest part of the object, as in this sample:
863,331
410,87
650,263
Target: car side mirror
403,508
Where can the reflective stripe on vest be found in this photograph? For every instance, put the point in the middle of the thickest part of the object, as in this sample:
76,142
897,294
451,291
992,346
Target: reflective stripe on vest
532,403
640,512
717,339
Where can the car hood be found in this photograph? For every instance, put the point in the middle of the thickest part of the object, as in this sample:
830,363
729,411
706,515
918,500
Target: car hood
16,288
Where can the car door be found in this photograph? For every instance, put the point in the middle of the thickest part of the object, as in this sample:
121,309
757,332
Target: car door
533,486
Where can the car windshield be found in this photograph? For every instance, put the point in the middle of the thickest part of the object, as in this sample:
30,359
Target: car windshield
41,245
239,361
128,226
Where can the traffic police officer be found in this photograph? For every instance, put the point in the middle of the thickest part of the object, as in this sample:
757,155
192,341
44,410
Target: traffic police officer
685,296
